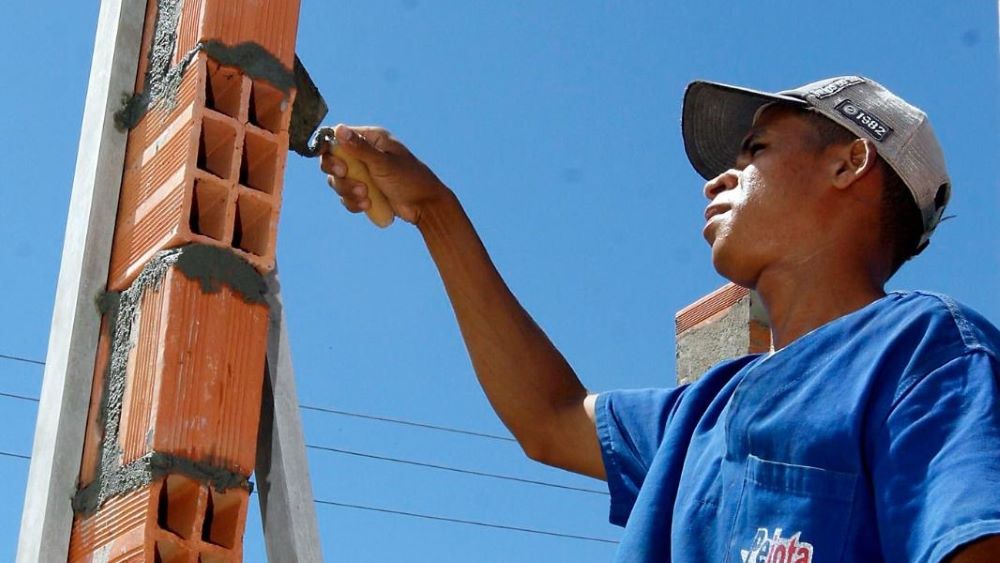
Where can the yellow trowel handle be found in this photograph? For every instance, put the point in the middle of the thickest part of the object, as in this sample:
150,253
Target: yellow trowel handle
380,212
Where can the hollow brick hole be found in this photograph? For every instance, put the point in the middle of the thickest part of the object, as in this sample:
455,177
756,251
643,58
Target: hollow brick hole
216,147
178,508
223,89
259,164
252,230
222,518
170,552
267,106
208,209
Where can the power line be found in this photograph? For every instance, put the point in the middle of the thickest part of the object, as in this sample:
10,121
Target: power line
21,397
408,423
457,470
425,516
460,521
393,460
348,413
408,461
20,359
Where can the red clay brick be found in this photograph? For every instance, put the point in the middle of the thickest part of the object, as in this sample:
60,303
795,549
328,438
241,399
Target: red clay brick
263,160
718,301
147,39
268,107
182,506
143,525
95,429
229,514
118,529
226,90
195,375
184,167
211,209
272,24
255,224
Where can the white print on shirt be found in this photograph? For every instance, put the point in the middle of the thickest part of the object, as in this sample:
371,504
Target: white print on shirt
775,549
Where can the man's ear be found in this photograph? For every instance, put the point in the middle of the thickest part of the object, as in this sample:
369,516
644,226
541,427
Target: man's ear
853,162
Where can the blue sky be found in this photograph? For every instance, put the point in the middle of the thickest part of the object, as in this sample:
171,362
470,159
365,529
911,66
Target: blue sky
557,123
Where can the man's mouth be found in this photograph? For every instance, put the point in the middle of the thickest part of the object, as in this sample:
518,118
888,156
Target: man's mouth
716,209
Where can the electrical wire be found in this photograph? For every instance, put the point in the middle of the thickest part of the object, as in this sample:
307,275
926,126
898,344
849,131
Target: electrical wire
393,460
20,359
21,397
409,462
351,414
425,516
460,521
408,423
456,469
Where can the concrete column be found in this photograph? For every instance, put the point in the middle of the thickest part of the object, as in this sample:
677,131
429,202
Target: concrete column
62,409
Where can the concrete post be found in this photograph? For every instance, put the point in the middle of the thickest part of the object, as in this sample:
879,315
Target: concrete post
62,409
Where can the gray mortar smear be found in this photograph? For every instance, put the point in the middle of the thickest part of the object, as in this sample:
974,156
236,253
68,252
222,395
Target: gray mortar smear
163,80
212,267
153,466
308,111
254,60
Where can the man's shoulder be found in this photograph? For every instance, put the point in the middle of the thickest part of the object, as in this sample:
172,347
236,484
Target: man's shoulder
940,320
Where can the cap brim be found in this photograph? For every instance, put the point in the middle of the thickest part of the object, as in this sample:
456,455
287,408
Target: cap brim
715,119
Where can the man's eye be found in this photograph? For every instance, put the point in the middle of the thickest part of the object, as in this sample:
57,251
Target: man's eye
755,148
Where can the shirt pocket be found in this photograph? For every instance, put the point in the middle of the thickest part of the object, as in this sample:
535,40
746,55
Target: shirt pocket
791,514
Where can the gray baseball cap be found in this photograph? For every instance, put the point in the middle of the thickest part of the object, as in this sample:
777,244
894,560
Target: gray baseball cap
716,117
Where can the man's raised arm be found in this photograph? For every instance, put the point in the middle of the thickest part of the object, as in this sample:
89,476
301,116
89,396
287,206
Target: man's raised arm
526,379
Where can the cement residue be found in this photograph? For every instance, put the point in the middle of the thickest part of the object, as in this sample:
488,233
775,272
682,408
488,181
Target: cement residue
308,111
163,80
213,267
254,60
149,468
161,464
157,83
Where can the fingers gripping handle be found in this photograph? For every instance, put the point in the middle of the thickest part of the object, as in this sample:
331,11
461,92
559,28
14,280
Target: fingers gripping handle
380,212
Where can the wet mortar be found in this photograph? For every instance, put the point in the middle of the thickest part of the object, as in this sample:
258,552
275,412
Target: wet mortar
162,79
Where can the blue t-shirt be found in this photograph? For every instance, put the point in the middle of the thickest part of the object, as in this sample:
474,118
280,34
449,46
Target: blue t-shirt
875,437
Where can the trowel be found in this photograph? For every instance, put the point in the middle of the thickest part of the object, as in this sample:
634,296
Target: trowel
307,138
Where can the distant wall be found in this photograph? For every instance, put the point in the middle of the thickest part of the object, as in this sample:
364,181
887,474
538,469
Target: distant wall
727,323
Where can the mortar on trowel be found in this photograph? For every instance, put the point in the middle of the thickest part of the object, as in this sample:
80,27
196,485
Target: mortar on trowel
308,139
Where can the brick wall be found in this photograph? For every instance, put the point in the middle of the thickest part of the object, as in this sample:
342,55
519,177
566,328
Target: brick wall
727,323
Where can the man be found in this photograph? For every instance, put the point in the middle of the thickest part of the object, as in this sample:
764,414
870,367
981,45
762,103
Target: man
871,433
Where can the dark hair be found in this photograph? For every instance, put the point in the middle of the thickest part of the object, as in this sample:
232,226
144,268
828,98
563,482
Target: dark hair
902,224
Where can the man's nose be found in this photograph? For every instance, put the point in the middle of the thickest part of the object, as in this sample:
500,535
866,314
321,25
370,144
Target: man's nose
726,181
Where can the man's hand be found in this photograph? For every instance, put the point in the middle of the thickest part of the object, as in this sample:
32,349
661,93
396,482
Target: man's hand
530,385
407,183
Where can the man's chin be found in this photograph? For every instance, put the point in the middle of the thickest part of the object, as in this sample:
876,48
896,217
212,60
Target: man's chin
730,270
728,263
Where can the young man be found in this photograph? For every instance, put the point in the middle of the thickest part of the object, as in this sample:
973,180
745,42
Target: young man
871,433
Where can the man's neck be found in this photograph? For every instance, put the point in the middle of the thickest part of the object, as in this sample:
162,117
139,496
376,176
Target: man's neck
799,302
